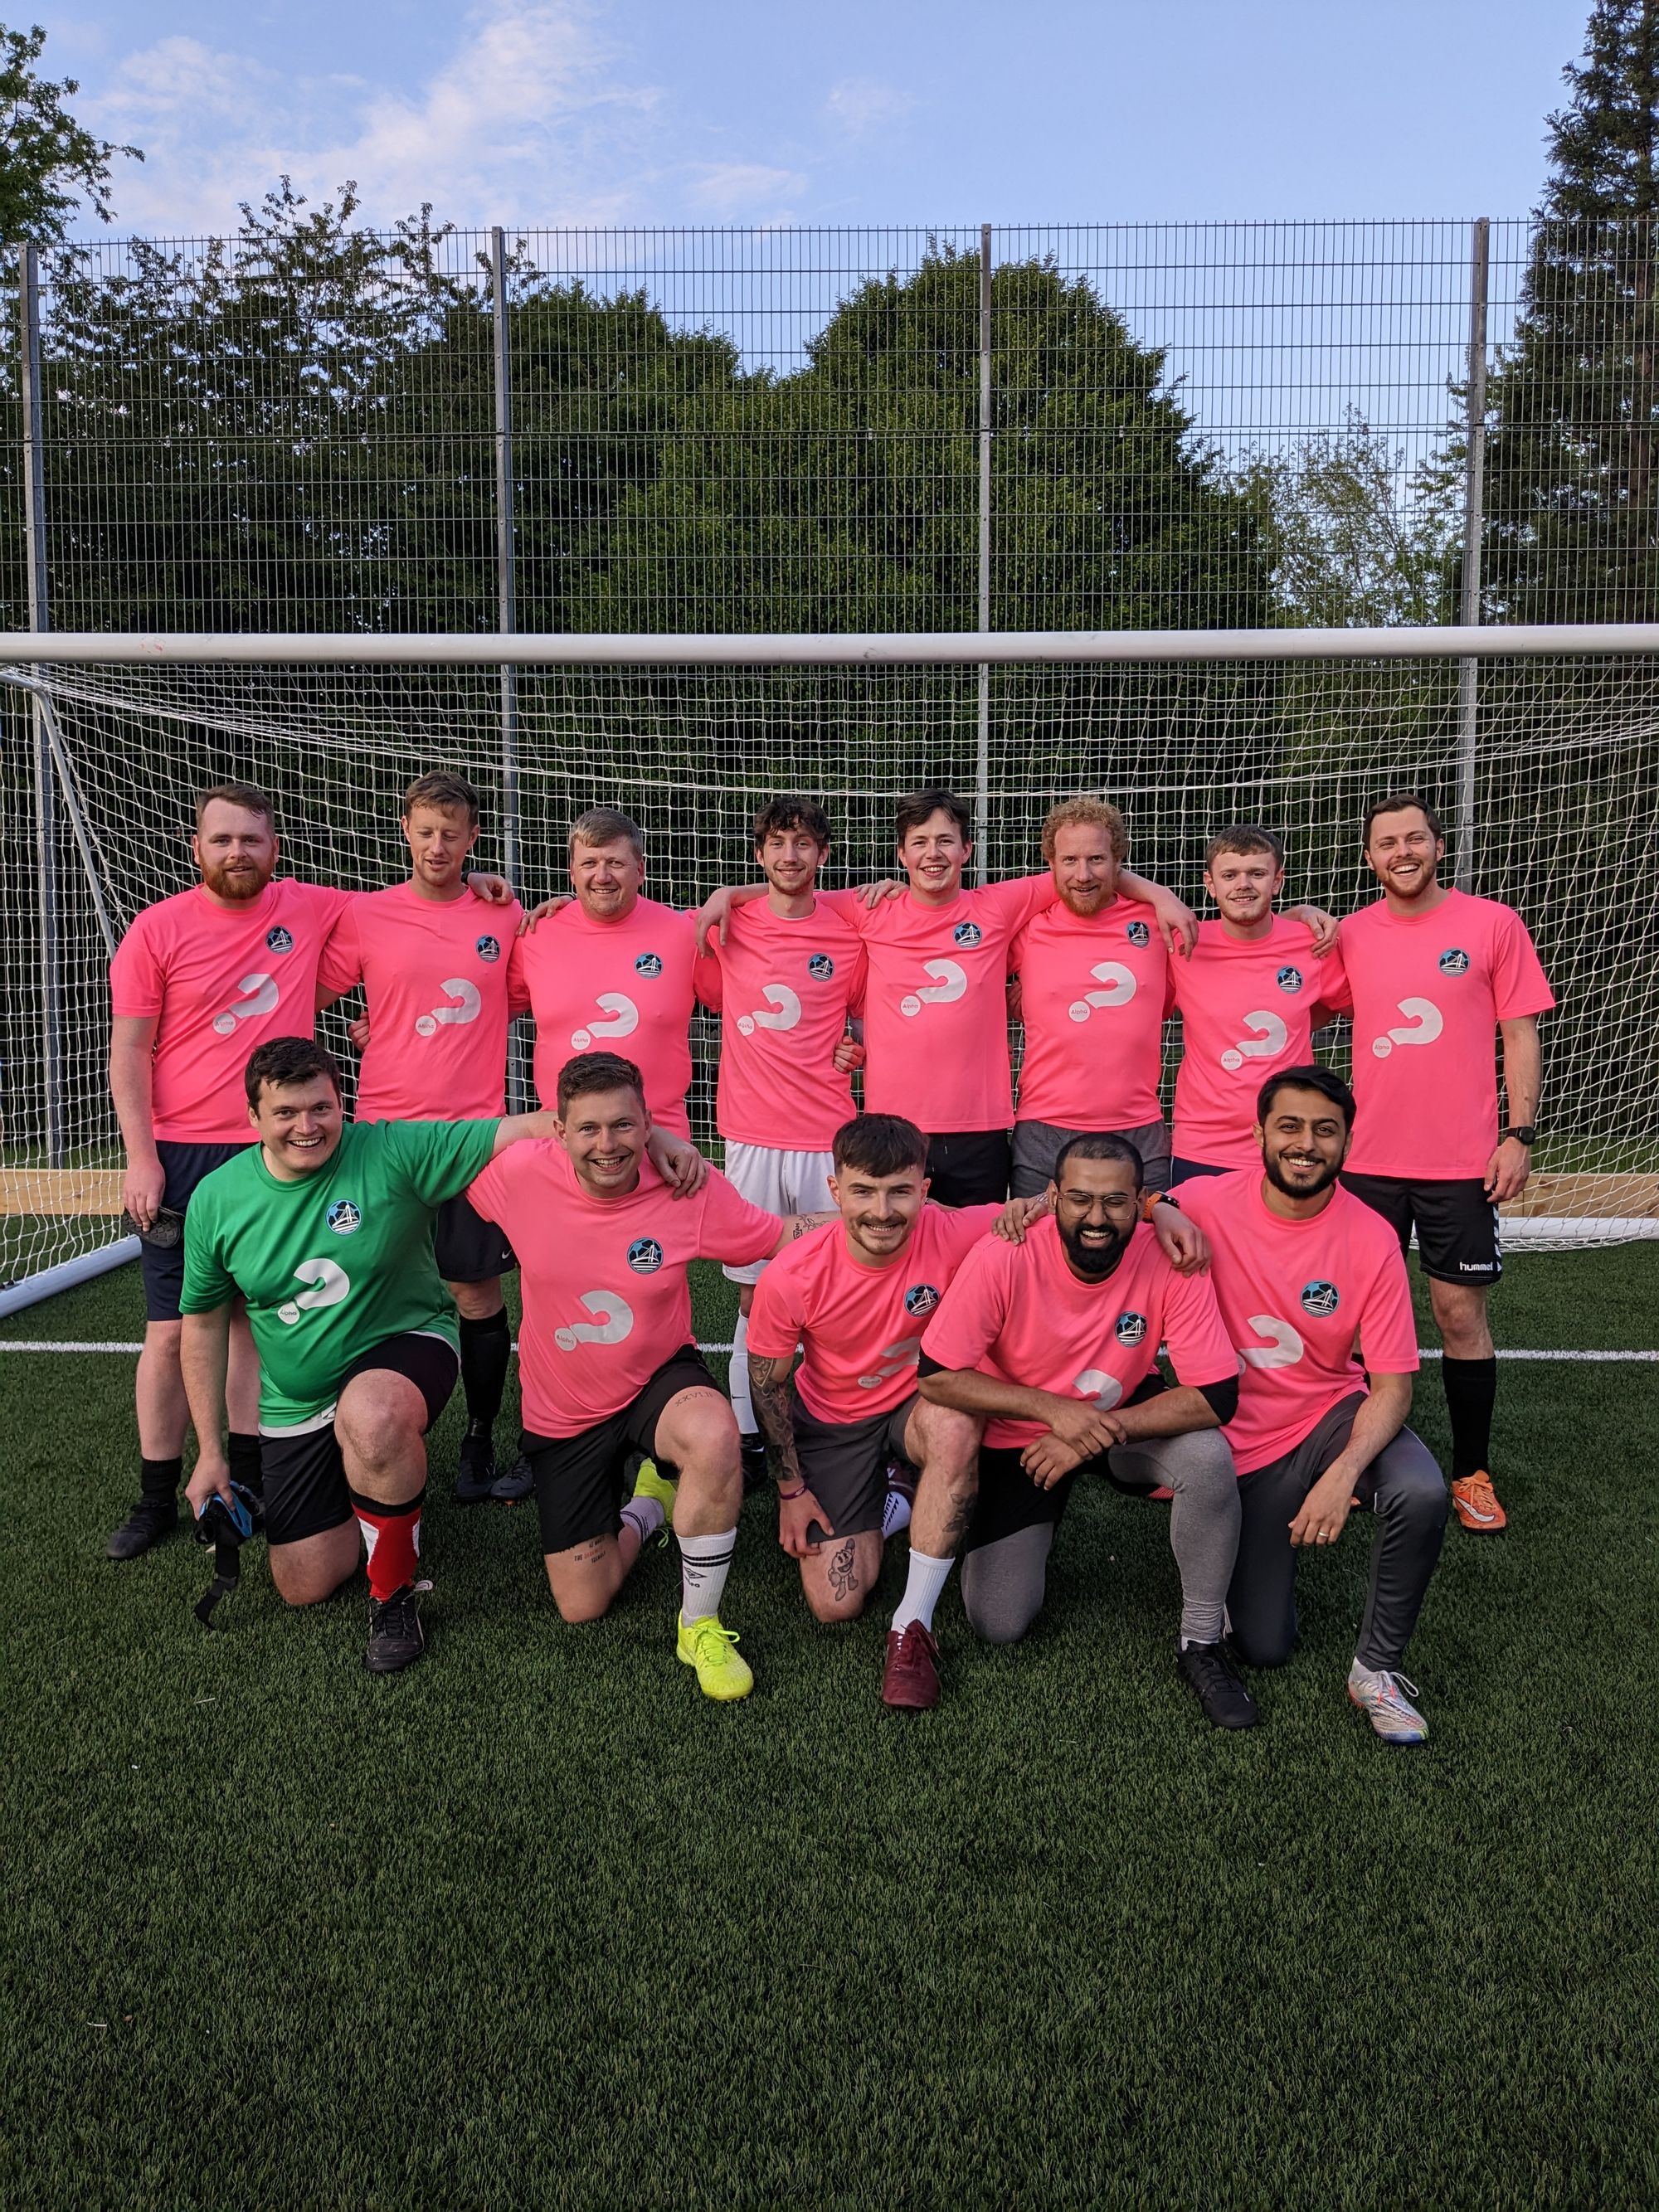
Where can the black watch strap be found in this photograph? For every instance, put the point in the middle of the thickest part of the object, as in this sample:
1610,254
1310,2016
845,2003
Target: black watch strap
1526,1134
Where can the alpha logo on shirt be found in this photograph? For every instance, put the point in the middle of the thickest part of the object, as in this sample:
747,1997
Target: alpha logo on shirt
820,967
967,932
343,1218
1138,933
645,1255
259,995
279,939
920,1298
489,948
648,964
1131,1329
1289,979
1454,961
1321,1300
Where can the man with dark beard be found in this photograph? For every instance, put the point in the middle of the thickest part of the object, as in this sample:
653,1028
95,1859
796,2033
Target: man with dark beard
1306,1273
1053,1344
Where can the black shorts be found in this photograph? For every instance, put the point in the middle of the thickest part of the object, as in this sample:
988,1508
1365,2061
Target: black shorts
467,1247
162,1266
581,1480
971,1168
303,1471
1184,1170
1009,1500
1458,1239
844,1464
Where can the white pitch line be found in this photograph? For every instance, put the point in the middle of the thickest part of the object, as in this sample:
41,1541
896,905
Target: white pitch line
1425,1352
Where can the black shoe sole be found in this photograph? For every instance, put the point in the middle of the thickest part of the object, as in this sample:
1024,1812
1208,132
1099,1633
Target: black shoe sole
375,1663
137,1551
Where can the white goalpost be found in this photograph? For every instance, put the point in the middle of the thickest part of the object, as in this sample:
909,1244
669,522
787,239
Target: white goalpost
1546,769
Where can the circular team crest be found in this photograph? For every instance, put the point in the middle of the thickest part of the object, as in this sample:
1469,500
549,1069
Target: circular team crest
967,933
279,939
1131,1329
1138,933
343,1218
1289,979
645,1255
489,948
920,1298
1321,1299
820,967
648,964
1454,961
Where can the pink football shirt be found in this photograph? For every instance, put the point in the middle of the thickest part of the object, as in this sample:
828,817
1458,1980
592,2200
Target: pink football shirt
1017,1312
1297,1298
607,1298
1249,1007
1428,991
624,986
784,990
860,1326
434,972
220,981
1094,995
935,1010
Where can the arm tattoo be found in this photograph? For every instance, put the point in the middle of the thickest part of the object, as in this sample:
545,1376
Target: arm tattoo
807,1223
843,1570
772,1392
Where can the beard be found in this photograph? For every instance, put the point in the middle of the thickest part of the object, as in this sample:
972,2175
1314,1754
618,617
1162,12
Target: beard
1096,1262
243,883
1326,1175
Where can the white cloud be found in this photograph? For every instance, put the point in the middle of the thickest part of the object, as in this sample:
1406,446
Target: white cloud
746,189
861,104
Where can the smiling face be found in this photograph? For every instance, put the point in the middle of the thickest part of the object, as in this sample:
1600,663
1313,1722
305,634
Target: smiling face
1405,854
790,861
1245,886
1097,1206
879,1212
933,855
1305,1141
439,839
235,850
605,1134
299,1125
1083,867
606,879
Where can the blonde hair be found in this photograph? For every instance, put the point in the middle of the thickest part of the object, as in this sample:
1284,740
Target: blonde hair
1085,813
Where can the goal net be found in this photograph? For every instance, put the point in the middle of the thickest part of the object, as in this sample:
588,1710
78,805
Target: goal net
1548,790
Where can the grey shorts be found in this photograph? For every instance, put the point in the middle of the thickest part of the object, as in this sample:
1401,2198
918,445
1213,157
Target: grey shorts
845,1463
1036,1147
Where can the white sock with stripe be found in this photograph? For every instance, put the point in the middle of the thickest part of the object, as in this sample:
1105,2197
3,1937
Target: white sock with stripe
704,1562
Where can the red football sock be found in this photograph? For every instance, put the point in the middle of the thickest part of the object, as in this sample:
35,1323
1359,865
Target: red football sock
392,1534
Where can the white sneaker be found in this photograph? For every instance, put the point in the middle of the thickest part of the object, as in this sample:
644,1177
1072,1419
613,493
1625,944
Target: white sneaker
1382,1697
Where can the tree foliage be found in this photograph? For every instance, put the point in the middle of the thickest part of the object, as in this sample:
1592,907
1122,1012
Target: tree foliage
49,163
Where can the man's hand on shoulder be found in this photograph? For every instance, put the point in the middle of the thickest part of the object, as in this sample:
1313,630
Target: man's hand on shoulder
1323,926
1182,1242
678,1161
544,911
1019,1215
491,890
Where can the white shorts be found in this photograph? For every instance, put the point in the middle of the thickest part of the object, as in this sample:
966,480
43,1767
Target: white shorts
779,1182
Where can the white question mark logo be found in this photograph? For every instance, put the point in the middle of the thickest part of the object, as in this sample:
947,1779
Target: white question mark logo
905,1353
1094,1382
1423,1026
258,997
1271,1036
625,1021
332,1283
468,1007
788,1014
1120,989
1284,1346
615,1321
952,984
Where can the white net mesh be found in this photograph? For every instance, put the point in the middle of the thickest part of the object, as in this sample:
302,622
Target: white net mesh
1565,794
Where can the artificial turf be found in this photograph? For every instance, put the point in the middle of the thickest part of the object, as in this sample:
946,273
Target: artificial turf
536,1924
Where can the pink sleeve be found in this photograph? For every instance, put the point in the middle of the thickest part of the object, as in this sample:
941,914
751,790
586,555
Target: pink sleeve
490,1193
858,984
708,981
849,905
731,1229
1200,1351
775,1321
1021,897
967,1226
1388,1327
969,1317
135,976
341,966
1331,992
1518,983
517,984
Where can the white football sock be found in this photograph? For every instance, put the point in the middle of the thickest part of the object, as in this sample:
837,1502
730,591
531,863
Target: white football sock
645,1516
704,1562
736,1382
927,1577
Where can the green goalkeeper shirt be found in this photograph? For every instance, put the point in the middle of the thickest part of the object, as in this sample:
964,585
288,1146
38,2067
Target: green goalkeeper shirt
334,1263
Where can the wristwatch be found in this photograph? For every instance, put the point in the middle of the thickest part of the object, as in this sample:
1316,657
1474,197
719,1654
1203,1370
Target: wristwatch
1527,1135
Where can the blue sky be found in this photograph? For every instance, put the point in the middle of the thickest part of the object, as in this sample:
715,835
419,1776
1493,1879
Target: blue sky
554,112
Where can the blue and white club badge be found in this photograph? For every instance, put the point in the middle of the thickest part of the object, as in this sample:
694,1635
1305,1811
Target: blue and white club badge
920,1299
1289,979
1138,933
967,933
1454,961
343,1218
1131,1329
1320,1300
645,1255
279,939
648,964
820,967
489,948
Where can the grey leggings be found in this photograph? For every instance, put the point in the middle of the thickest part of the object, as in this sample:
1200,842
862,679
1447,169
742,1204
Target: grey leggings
1003,1581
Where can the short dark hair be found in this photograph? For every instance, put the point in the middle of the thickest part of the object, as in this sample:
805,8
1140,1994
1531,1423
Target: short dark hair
454,794
1306,1079
1246,837
247,796
789,811
878,1144
1398,802
592,1072
913,809
1099,1145
281,1060
608,825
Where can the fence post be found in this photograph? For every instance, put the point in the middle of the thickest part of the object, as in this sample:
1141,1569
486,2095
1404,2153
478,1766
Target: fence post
1468,610
982,769
506,608
45,812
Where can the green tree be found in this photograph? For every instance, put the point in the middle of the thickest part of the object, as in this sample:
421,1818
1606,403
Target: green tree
49,163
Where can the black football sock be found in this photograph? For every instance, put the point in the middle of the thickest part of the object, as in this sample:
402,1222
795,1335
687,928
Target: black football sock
243,1453
159,1479
1471,1387
486,1346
